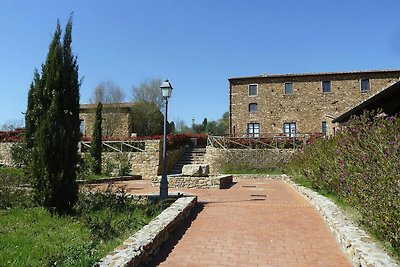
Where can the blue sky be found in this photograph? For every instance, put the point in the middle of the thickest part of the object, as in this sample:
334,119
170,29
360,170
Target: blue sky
197,45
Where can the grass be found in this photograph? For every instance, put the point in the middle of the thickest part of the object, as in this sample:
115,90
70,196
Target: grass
242,169
34,237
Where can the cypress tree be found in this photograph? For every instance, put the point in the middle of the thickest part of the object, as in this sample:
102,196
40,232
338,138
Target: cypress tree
56,132
95,150
32,109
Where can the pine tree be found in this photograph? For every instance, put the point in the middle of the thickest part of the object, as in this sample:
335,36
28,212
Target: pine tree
96,140
56,126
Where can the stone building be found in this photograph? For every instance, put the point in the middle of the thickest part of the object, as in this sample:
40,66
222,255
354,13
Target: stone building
116,119
299,103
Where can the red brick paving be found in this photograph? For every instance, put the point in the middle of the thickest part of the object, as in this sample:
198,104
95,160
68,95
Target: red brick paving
266,225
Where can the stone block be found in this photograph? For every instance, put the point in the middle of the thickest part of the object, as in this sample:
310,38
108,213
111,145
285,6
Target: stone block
196,170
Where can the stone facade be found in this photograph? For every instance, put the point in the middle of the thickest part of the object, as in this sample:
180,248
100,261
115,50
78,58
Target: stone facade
307,106
5,153
116,119
256,158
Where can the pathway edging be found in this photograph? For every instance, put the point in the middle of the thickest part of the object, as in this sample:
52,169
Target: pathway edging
356,243
136,250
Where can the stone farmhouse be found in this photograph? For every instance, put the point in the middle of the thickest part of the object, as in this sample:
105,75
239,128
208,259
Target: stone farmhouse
290,104
116,119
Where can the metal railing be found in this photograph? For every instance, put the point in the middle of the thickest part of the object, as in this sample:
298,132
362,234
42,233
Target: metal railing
115,146
271,141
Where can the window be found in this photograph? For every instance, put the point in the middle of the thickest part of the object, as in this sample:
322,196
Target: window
289,128
252,107
324,127
253,129
364,85
288,88
82,127
253,89
326,86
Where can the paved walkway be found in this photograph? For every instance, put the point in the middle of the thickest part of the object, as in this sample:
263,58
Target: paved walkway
254,223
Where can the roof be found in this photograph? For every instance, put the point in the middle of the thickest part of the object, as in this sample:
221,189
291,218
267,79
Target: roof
109,105
387,99
315,74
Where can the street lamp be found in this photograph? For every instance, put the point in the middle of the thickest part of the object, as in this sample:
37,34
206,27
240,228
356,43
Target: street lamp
166,90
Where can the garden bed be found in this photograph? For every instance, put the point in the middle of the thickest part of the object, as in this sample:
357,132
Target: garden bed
34,237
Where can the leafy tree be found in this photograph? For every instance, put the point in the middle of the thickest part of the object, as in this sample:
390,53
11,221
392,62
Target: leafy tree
147,118
53,116
149,91
218,127
95,150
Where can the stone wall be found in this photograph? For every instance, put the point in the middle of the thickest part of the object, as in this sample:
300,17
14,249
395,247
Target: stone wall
148,164
308,106
209,182
253,158
5,153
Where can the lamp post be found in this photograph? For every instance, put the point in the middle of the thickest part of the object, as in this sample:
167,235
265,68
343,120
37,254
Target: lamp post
166,90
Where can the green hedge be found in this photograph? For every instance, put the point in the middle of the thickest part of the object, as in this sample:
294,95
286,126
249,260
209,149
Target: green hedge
362,166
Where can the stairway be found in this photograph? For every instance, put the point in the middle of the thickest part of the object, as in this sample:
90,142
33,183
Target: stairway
190,156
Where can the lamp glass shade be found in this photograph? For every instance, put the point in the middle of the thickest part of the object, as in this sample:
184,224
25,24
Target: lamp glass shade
166,89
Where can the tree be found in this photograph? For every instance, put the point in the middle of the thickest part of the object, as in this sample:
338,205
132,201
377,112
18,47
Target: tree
218,127
149,91
181,127
53,113
147,119
95,149
107,92
12,125
110,94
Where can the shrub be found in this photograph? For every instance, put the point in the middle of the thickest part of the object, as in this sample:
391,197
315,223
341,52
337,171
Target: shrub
361,166
11,194
20,155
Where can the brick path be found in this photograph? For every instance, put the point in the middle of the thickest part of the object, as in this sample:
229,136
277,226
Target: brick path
254,223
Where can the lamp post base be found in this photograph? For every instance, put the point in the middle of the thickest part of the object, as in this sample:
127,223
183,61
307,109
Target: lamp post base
163,188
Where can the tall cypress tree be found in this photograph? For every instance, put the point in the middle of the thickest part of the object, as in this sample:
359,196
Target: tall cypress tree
32,109
56,132
96,140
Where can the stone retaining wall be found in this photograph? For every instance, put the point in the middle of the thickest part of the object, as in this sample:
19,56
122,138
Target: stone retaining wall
5,153
137,249
252,158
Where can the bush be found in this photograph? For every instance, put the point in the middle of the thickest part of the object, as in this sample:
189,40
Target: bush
11,192
84,167
107,223
20,155
361,166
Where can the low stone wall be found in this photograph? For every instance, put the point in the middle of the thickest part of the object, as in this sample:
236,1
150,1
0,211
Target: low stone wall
5,153
212,182
256,158
137,249
359,247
